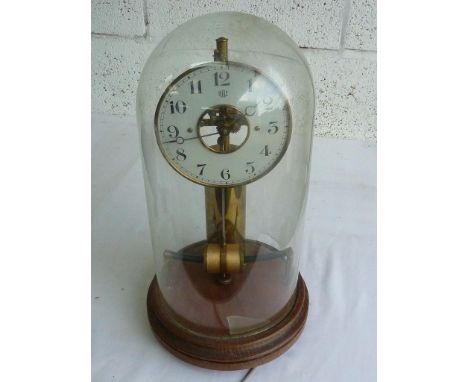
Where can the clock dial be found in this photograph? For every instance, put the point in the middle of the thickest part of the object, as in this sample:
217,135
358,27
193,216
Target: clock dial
223,124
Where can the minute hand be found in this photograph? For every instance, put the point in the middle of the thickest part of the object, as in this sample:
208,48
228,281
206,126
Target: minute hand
181,140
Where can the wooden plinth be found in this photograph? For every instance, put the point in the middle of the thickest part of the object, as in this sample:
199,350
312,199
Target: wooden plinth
226,352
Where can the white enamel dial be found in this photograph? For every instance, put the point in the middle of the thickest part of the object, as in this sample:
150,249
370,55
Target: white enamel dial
223,98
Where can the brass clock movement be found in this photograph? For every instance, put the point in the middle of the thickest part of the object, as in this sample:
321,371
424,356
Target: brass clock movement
225,107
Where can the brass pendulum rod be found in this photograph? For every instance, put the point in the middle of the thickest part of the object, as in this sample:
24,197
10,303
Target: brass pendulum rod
221,54
225,214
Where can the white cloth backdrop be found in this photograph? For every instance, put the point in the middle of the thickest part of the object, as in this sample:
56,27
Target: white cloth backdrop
339,341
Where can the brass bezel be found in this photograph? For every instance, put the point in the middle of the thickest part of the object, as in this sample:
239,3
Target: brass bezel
222,63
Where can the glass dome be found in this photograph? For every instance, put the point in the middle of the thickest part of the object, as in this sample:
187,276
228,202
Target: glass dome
225,107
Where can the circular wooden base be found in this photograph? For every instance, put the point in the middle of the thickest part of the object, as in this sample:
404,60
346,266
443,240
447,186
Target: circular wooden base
226,352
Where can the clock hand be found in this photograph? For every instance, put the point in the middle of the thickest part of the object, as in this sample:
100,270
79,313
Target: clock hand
181,140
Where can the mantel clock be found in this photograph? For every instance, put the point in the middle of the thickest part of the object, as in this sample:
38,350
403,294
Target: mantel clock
225,108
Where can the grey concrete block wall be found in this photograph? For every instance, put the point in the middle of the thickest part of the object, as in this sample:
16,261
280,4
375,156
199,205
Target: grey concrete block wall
338,38
345,86
310,23
361,27
118,17
115,68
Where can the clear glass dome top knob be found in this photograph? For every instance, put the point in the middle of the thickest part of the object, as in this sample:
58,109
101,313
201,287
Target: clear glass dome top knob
225,106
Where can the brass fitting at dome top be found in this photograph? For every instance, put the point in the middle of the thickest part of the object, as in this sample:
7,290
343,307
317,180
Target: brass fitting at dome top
221,51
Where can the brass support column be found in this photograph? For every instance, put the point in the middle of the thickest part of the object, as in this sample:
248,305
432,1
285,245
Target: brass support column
225,230
225,214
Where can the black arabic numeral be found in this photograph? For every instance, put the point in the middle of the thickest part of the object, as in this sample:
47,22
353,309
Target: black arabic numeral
195,87
273,127
173,131
250,168
221,79
179,106
225,174
181,154
265,151
202,165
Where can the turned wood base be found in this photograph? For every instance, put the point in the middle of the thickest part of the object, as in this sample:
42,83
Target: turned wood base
226,352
